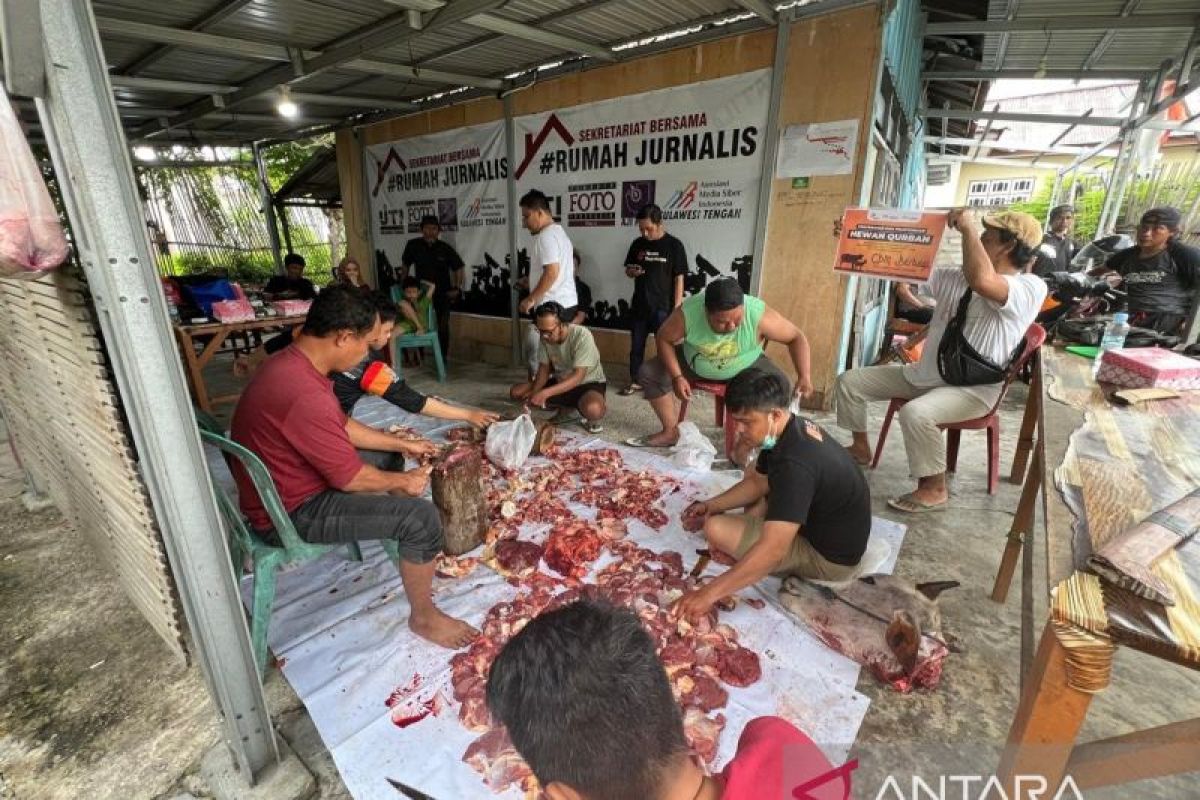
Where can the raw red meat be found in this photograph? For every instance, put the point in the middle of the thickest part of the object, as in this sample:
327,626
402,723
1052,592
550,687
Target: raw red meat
572,547
517,558
740,667
703,733
494,756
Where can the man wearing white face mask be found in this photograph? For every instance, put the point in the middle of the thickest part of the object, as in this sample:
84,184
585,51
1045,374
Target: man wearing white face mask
807,506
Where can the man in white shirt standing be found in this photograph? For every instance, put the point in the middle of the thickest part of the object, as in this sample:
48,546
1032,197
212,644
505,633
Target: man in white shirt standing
552,259
1005,301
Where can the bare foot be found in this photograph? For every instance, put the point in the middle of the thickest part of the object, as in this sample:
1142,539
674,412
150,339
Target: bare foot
442,629
861,455
663,439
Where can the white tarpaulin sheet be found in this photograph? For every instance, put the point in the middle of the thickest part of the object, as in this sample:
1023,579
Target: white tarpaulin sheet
340,630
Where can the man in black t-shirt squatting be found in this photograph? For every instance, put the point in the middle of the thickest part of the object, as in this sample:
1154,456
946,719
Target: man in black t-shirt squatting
657,262
807,507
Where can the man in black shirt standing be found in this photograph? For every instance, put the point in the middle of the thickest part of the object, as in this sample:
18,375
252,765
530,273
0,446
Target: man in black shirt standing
657,262
1160,274
1057,248
440,264
807,504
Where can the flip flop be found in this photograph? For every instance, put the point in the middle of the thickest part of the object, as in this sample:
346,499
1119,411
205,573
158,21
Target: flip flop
909,504
631,389
642,441
592,427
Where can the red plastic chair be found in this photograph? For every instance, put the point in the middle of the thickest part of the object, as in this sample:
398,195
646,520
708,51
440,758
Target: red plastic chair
717,390
1034,337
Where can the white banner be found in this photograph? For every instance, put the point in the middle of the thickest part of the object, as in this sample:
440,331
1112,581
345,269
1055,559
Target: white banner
694,150
459,176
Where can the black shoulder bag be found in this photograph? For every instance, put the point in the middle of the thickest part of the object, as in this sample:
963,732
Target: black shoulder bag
959,363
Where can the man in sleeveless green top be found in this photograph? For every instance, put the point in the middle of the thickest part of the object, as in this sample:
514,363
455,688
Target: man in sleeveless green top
712,337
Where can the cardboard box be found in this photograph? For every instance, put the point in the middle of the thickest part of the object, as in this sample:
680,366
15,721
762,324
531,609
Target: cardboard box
228,311
1141,367
292,308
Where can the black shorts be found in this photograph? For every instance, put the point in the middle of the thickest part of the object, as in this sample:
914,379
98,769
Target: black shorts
571,399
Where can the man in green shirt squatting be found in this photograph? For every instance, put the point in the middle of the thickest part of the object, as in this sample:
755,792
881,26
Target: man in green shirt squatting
569,373
712,337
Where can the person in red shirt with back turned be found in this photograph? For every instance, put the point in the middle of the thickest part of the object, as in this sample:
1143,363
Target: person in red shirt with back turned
291,419
589,707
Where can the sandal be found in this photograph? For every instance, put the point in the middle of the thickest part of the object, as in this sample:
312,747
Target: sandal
643,441
592,427
631,389
909,504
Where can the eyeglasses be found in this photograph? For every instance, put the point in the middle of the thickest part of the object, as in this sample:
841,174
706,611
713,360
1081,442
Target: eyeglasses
547,333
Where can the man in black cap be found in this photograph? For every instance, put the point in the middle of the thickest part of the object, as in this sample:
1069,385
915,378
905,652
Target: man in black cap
712,337
1057,248
1160,274
439,264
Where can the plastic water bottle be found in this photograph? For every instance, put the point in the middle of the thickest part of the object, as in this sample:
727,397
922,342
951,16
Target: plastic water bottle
1113,339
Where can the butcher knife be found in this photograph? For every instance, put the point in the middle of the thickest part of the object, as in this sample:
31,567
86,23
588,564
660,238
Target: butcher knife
408,791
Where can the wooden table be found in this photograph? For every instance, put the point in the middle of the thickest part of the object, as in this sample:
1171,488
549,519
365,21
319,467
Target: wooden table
219,331
1122,464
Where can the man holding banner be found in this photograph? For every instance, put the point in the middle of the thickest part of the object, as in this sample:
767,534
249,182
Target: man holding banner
552,259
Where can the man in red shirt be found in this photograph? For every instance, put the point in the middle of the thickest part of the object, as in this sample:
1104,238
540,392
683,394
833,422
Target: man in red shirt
289,416
589,707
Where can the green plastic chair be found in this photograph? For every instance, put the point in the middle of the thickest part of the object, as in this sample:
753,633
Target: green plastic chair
428,339
267,558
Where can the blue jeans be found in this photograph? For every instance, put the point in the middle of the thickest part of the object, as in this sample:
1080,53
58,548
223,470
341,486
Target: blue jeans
643,325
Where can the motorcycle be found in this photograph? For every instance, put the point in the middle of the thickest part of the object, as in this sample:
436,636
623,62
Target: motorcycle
1075,294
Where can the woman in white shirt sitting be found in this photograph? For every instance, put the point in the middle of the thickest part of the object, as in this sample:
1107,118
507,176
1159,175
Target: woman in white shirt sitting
997,252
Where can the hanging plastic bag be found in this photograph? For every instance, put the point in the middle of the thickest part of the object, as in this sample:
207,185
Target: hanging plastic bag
509,443
31,236
693,450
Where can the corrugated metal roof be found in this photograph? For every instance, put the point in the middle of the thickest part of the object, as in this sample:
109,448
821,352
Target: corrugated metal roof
1061,47
205,42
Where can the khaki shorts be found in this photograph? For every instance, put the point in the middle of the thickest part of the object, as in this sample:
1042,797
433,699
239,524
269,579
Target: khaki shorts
801,560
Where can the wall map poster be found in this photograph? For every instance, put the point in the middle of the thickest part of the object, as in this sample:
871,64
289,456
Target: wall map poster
693,150
460,176
889,243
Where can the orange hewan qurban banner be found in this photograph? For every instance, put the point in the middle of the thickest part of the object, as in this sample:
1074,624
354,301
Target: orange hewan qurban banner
889,243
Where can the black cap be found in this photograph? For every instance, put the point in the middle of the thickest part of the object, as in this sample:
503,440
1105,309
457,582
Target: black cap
430,219
1166,215
723,295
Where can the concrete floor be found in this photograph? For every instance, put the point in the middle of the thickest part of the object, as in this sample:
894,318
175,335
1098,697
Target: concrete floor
92,706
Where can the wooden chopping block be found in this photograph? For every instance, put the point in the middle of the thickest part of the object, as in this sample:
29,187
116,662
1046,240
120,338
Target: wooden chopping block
459,495
544,439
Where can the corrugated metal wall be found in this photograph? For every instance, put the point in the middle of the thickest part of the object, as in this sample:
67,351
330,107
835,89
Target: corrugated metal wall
902,58
64,414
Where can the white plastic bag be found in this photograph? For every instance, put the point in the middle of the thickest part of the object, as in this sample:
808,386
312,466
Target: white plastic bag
693,450
509,443
31,236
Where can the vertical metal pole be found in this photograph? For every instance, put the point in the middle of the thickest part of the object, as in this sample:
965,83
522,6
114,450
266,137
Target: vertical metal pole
91,158
268,207
510,147
365,214
770,152
281,215
1054,193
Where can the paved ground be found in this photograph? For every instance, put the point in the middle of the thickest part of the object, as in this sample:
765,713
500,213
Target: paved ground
92,706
